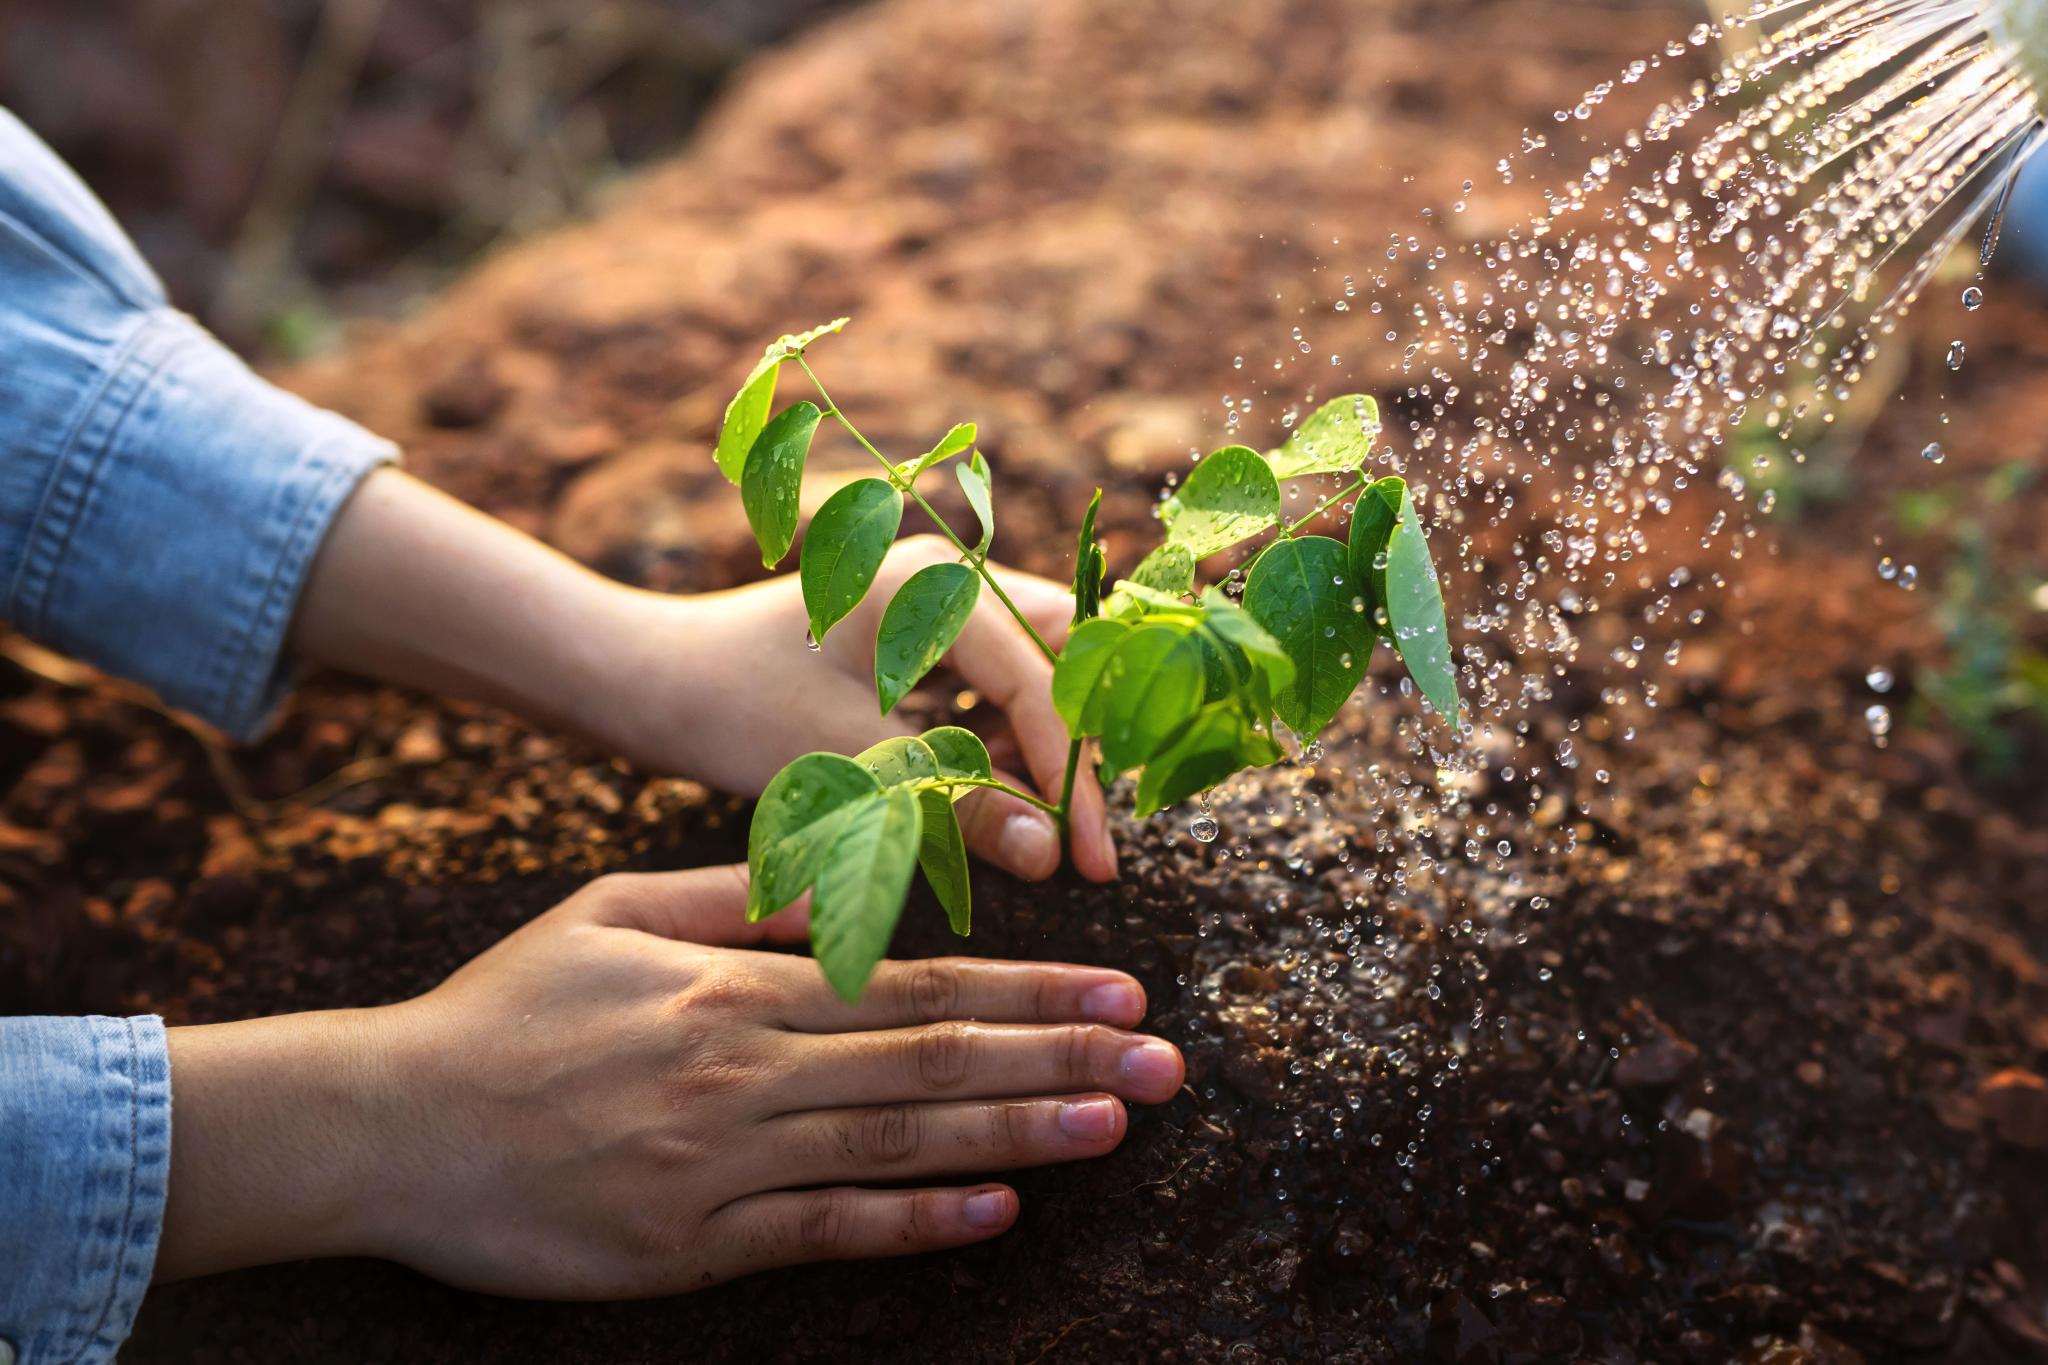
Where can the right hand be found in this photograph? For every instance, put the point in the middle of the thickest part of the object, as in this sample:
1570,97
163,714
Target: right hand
618,1100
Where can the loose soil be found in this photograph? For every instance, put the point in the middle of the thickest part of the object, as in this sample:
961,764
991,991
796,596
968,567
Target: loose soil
1738,1060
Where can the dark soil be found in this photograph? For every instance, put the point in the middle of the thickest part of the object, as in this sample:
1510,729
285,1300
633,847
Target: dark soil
1736,1059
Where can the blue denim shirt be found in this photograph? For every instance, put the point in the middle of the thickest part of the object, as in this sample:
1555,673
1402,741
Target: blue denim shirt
160,507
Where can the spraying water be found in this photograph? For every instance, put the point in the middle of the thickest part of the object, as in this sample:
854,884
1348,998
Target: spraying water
1731,265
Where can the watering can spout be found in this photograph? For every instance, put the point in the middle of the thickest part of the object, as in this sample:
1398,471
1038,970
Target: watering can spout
2022,25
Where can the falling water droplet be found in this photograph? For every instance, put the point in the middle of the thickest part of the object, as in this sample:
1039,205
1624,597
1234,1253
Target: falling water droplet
1204,828
1956,352
1879,678
1973,298
1879,718
1934,454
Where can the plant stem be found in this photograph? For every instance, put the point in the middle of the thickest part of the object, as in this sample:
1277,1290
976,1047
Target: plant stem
1357,486
947,783
979,562
1066,810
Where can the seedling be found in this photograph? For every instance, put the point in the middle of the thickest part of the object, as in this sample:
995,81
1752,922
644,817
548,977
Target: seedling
1182,689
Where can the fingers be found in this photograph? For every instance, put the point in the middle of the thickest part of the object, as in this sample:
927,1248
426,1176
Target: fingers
1000,661
918,1141
971,1061
901,994
703,905
1020,839
840,1224
1047,605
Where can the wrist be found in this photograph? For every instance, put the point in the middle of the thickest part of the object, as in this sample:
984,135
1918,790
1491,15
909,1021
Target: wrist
647,672
282,1141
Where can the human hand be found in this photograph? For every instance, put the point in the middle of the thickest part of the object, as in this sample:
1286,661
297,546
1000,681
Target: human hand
619,1100
416,588
726,690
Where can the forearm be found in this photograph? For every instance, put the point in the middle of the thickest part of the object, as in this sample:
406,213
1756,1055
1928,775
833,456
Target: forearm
416,588
274,1148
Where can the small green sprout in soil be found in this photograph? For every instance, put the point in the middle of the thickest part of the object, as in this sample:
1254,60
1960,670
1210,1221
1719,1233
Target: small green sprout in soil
1180,687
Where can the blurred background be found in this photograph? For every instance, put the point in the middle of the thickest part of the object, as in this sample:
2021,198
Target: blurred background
283,163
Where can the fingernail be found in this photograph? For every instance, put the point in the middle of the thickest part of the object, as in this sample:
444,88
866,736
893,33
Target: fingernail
987,1209
1088,1120
1028,844
1119,1002
1153,1067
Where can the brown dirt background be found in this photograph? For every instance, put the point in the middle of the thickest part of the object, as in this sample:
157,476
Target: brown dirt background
1755,1095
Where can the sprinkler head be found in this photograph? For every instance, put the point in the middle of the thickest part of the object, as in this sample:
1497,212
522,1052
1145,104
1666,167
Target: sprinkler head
2022,26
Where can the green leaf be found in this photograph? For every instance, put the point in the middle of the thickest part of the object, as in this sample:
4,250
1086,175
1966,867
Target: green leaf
844,549
1224,618
1080,666
1372,527
774,479
1132,600
942,853
792,344
975,483
1170,569
1214,745
747,413
1151,685
1415,614
960,753
1336,439
895,762
1089,566
951,444
1230,496
795,821
919,627
1299,592
861,886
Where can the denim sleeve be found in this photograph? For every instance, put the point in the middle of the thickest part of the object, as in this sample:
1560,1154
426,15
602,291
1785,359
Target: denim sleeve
85,1148
160,505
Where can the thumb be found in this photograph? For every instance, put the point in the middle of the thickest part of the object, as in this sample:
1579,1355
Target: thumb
705,905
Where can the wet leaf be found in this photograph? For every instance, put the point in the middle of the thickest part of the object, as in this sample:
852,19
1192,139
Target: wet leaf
942,853
1336,439
1301,594
1152,683
1415,613
1224,618
747,413
1170,569
1215,744
951,444
975,483
1372,526
771,487
1079,669
1230,496
795,821
860,888
903,759
919,626
1131,600
844,549
960,753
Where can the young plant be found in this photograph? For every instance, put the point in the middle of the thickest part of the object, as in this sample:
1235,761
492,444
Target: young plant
1182,689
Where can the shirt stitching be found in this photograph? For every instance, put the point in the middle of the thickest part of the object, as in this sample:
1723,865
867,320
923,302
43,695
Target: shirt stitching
120,1268
76,475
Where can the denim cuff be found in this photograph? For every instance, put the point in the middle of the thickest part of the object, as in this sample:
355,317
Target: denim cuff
85,1152
181,519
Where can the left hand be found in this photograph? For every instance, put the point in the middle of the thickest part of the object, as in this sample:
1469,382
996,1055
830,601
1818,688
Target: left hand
742,694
